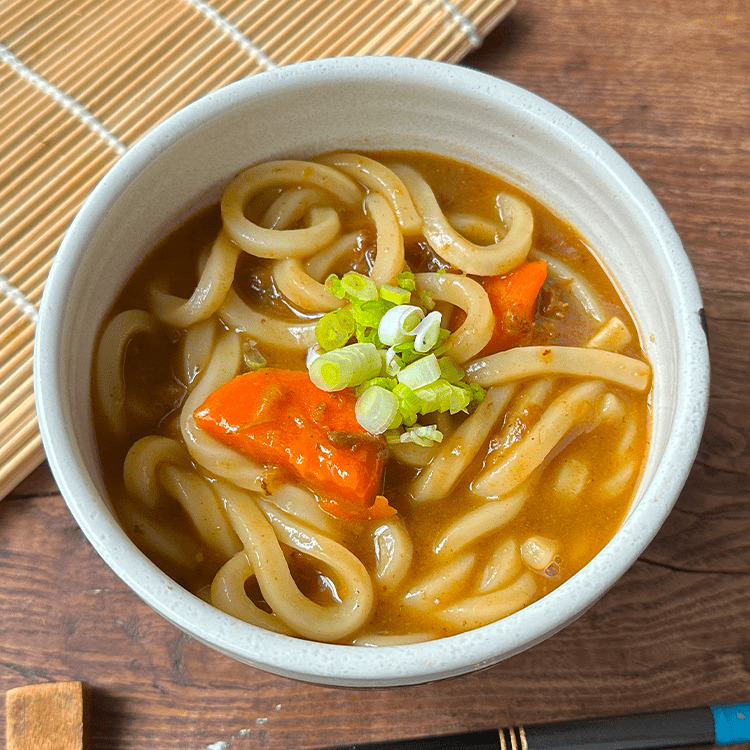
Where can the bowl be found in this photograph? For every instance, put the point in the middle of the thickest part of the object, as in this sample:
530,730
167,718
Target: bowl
371,103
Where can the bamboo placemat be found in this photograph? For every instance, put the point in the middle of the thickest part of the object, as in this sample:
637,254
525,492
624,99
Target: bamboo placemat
81,80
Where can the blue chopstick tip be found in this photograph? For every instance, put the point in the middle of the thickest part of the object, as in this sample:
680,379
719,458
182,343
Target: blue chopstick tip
731,723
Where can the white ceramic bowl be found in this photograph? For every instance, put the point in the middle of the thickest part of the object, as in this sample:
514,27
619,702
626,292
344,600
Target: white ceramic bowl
371,103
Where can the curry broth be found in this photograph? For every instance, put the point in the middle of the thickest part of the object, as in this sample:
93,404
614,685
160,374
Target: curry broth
581,526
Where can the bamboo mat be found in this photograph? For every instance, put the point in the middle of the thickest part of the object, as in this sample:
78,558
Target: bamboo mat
81,80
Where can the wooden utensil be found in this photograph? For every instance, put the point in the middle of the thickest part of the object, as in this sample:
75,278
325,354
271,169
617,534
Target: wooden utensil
48,716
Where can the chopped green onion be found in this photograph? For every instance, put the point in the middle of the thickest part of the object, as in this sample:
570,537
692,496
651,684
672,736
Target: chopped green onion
388,383
370,313
375,409
408,403
406,280
407,352
420,373
427,332
460,399
393,362
334,329
398,323
450,370
334,286
477,392
424,299
437,396
425,436
395,294
346,367
359,287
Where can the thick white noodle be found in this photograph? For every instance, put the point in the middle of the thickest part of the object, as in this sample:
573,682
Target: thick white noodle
571,480
204,508
261,532
142,463
525,362
196,344
573,411
389,252
377,178
393,553
486,519
228,594
483,609
301,503
274,243
320,264
613,336
581,290
301,289
290,207
463,292
209,453
480,260
156,465
614,485
266,328
504,565
109,373
441,583
215,281
411,454
454,455
475,228
538,552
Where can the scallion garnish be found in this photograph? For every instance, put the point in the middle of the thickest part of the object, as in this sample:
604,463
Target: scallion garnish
376,408
424,435
389,340
420,373
346,367
398,323
395,294
335,329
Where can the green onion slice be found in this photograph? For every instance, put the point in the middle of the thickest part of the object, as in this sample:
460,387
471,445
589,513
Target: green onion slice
359,287
375,409
346,367
395,294
424,435
398,323
427,332
420,373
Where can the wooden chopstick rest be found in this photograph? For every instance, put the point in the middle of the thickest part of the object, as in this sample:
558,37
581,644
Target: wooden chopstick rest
48,716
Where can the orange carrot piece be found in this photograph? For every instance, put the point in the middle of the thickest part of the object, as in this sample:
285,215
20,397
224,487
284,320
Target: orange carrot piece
342,509
513,297
279,417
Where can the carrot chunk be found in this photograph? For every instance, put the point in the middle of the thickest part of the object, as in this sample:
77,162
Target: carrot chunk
514,298
279,417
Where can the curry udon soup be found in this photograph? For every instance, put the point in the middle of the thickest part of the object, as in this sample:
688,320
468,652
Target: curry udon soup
371,400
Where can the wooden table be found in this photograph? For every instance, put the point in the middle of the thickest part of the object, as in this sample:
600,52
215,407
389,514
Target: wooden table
667,83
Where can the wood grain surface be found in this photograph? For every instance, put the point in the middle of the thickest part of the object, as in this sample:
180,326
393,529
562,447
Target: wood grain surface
667,83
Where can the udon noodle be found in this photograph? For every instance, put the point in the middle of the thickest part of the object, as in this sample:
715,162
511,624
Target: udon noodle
474,509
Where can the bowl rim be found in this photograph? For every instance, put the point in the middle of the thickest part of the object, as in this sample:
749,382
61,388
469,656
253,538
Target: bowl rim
398,664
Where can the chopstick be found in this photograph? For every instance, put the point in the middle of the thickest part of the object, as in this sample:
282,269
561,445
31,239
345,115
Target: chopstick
715,725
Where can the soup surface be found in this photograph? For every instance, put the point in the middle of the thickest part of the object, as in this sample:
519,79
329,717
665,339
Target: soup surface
401,502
